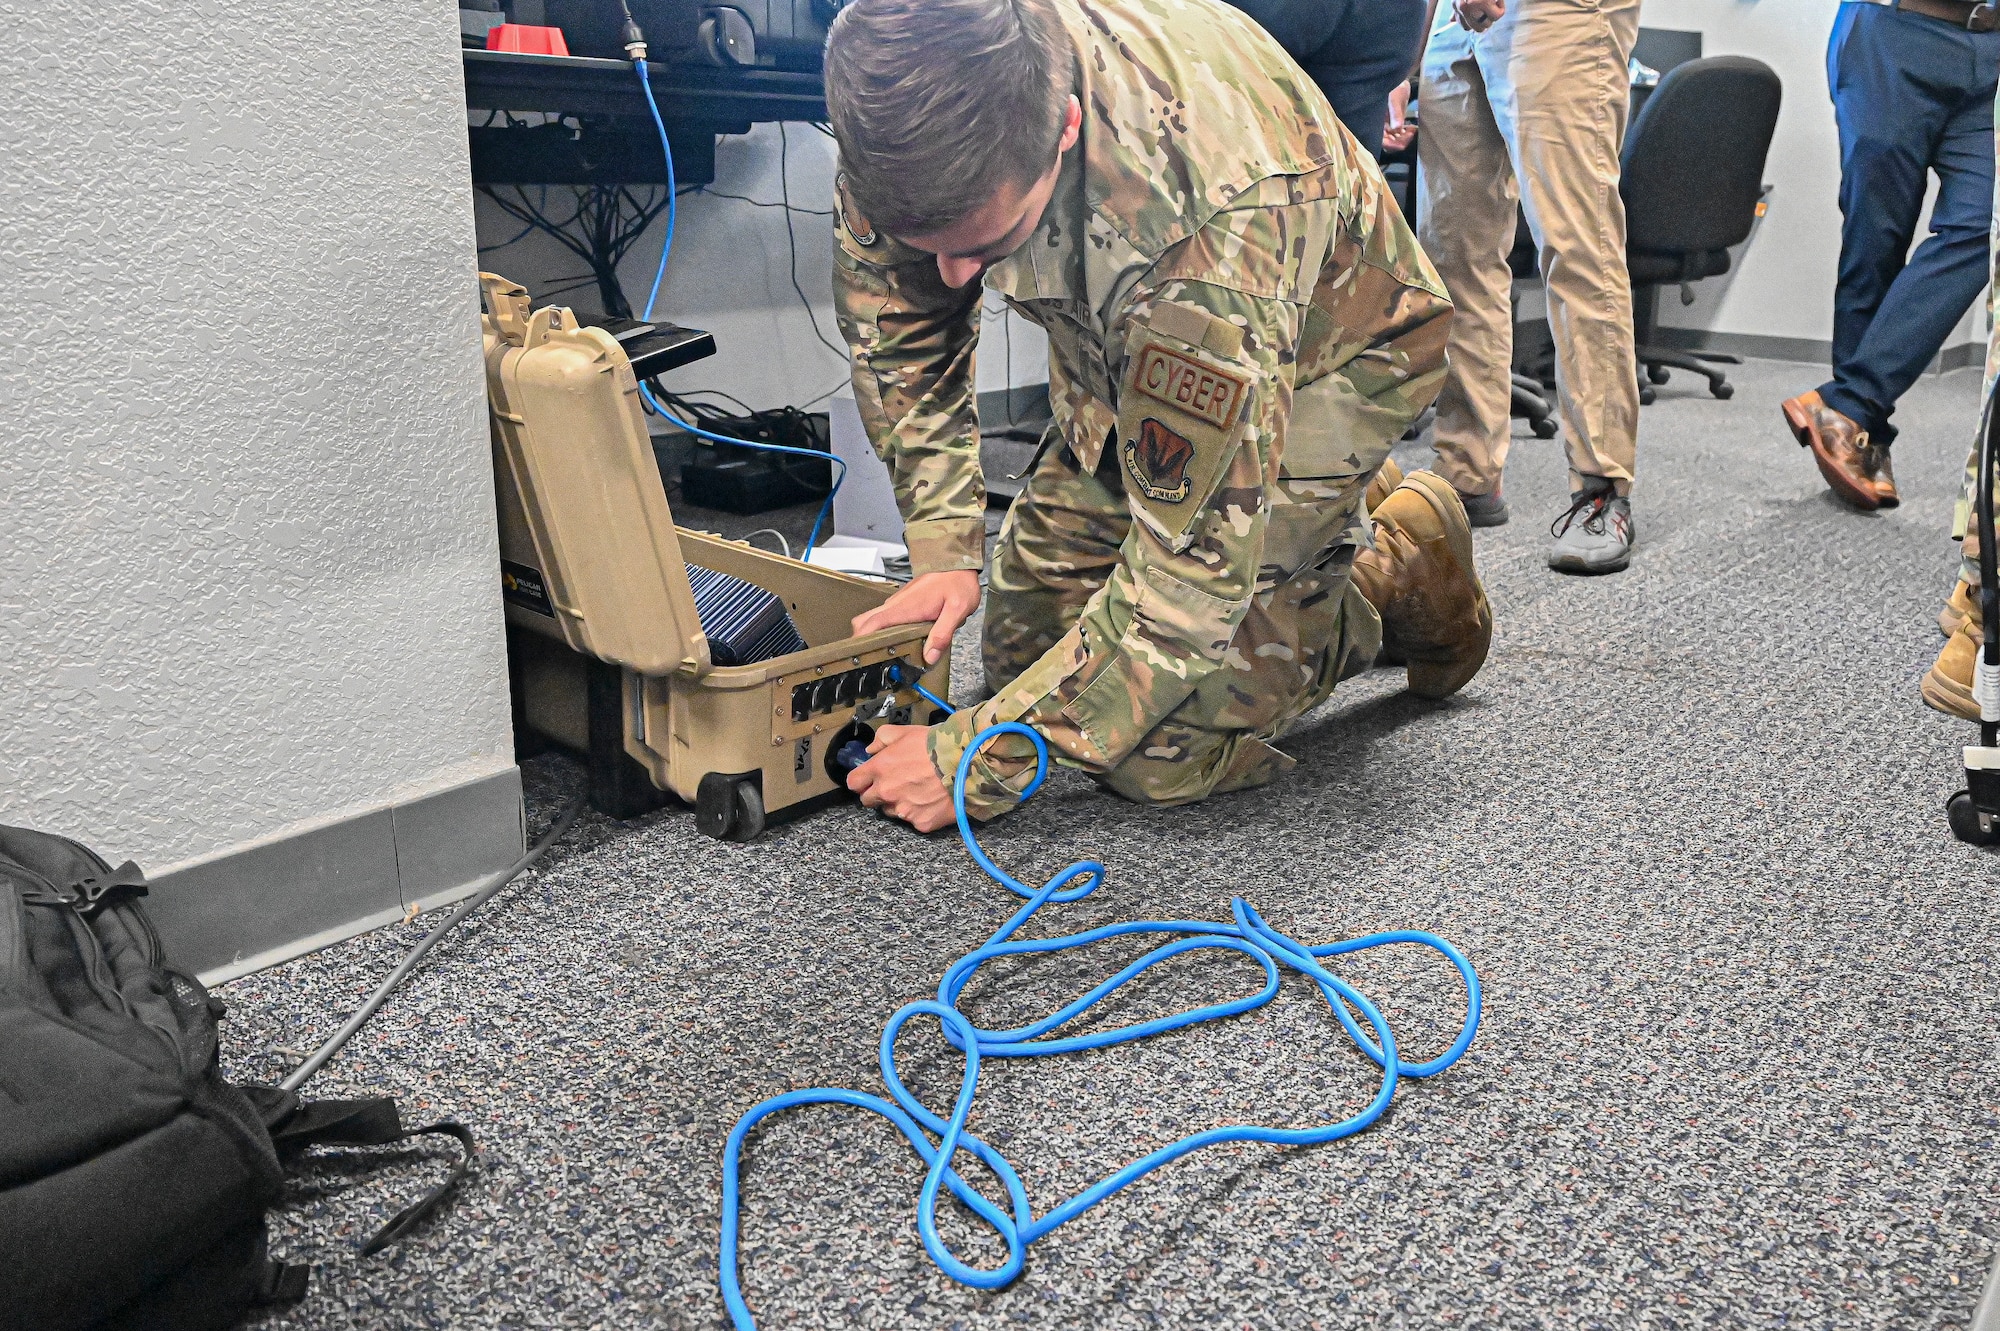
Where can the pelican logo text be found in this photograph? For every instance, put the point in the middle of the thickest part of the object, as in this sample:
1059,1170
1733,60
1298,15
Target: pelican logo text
1187,385
1158,460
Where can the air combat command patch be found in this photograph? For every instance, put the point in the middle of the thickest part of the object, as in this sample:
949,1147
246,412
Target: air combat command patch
1158,461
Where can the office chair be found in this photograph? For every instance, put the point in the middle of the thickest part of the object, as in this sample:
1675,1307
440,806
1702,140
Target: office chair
1693,172
1531,397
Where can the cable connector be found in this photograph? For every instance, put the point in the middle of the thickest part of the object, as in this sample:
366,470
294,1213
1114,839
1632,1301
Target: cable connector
633,36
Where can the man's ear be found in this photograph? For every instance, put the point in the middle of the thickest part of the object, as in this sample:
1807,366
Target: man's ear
1072,125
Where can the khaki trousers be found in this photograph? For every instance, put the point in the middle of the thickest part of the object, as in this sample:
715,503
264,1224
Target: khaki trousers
1532,111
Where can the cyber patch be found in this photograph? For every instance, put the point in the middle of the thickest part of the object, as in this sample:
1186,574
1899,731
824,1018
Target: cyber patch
1158,461
1185,384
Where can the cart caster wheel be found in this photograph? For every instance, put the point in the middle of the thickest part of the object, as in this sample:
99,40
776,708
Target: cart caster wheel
1723,391
1963,815
1646,395
1659,374
1543,428
729,808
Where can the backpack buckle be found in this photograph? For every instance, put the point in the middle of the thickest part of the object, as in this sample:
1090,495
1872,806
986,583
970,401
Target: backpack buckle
93,893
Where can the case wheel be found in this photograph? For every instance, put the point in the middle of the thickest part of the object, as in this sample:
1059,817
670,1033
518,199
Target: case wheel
729,808
1963,815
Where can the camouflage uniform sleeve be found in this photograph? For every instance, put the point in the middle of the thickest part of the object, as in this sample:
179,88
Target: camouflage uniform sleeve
912,340
1373,320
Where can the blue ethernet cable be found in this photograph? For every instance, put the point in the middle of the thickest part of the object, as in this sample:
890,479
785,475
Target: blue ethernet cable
652,298
937,1140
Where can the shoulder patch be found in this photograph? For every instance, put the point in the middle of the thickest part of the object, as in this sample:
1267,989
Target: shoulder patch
1158,462
857,226
1205,392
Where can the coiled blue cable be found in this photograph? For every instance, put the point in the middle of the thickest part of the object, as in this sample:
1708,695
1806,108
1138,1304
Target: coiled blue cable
652,299
937,1141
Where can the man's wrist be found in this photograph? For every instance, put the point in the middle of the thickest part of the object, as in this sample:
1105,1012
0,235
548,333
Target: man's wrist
944,545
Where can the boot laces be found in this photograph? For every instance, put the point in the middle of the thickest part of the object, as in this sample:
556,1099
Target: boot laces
1598,502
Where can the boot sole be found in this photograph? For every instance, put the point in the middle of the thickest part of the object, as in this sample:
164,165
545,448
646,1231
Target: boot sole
1435,680
1947,695
1844,487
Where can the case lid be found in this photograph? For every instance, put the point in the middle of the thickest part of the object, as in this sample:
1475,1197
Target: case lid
590,489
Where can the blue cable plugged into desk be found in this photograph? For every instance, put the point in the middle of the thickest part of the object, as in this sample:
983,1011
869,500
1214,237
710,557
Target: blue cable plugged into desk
937,1141
652,299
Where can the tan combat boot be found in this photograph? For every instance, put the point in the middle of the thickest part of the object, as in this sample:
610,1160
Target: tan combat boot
1960,606
1384,484
1420,579
1948,686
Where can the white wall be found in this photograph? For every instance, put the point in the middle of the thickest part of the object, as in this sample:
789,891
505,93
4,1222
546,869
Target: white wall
246,529
728,275
1782,284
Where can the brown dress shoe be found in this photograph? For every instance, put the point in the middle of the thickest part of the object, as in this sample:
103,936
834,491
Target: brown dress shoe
1419,578
1855,469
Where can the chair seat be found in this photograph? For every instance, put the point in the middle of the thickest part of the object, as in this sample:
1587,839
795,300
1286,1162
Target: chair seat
1654,268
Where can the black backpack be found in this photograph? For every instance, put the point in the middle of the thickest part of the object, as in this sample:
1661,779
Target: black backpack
133,1178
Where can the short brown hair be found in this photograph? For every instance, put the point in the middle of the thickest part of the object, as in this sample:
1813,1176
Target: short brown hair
939,104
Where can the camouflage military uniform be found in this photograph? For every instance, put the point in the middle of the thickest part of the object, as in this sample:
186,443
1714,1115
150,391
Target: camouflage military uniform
1240,326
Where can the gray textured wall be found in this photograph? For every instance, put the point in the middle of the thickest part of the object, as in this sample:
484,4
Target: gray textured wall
246,533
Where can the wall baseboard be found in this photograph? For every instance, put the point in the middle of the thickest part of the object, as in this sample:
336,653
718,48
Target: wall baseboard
1806,350
274,900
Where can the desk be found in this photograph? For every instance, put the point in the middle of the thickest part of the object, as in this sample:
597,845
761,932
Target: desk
618,144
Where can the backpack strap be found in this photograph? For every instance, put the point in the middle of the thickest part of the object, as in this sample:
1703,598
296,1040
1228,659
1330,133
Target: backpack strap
414,1214
280,1282
371,1122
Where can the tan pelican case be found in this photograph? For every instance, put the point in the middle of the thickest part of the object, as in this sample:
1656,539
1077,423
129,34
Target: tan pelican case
607,653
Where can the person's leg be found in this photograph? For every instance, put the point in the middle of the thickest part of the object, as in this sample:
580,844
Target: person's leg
1567,97
1949,270
1466,225
1298,641
1060,542
1888,72
1370,52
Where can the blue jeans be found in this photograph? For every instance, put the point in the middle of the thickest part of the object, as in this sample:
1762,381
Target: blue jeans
1912,95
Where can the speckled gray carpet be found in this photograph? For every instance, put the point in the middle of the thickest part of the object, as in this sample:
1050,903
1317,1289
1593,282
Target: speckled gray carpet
1738,1066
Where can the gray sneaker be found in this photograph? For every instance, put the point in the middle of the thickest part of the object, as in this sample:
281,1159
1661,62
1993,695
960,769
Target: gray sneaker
1488,510
1596,533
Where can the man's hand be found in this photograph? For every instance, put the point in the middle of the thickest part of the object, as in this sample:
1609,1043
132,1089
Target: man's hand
1399,133
949,598
1478,15
900,779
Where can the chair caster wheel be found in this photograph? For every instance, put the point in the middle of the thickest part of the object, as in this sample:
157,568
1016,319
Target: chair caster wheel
1543,428
729,808
1723,391
1963,816
1659,374
1646,395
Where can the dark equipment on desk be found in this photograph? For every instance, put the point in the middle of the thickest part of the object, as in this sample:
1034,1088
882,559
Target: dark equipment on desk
742,34
133,1178
751,480
1974,812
